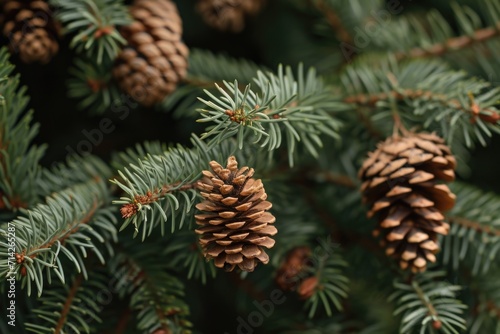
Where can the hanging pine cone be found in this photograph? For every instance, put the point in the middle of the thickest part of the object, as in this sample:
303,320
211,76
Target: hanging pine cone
401,182
291,271
30,29
234,223
228,15
155,59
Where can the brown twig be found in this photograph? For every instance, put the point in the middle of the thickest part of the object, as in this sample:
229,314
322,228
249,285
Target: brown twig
335,178
130,209
124,319
341,33
452,44
67,305
475,226
486,115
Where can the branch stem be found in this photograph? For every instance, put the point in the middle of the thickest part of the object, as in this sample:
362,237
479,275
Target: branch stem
453,44
486,115
67,305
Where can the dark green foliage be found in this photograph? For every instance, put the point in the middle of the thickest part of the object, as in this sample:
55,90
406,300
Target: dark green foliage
306,133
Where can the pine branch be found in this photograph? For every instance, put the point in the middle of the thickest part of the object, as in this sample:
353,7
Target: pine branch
185,252
70,222
155,294
139,151
299,110
93,85
162,186
94,25
18,159
434,36
425,94
206,67
453,44
474,238
487,115
428,304
74,170
70,308
332,284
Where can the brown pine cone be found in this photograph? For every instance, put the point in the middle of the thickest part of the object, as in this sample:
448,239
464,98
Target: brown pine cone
228,15
234,224
289,273
155,59
30,28
401,183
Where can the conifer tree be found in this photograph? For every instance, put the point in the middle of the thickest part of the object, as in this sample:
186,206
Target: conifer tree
249,166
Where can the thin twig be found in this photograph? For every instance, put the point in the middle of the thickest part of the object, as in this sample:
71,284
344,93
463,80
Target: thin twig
341,33
486,115
475,226
453,44
67,304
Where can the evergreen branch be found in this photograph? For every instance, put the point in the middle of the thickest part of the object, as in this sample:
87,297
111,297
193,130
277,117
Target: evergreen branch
486,312
162,186
70,222
67,304
184,252
487,115
18,159
71,308
299,110
434,36
428,304
302,227
75,170
139,151
155,295
428,94
206,67
332,285
475,230
453,44
94,25
93,85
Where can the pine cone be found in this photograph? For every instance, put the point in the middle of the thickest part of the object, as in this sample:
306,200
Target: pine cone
155,59
228,15
234,224
289,273
31,30
401,182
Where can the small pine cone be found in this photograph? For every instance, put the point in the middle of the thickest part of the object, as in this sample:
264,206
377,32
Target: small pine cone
234,224
289,273
228,15
30,28
401,183
155,59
